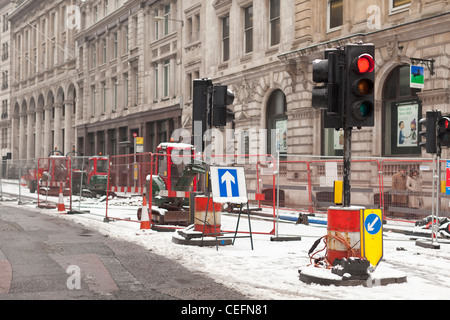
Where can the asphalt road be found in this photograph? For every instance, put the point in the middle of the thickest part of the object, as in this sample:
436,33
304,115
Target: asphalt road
46,258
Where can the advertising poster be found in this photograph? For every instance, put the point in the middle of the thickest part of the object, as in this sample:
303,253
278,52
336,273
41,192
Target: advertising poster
407,125
281,127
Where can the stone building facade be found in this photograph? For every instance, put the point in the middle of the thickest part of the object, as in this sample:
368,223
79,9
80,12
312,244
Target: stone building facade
43,79
129,74
273,81
5,65
126,68
400,31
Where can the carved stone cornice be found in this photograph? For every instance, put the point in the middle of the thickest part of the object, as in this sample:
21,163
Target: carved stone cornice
432,97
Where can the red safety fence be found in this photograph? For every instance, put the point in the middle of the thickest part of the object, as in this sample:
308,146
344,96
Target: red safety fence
303,186
127,176
307,186
53,177
175,176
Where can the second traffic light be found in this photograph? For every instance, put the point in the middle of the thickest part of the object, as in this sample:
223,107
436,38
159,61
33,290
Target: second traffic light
360,87
328,96
429,132
220,113
443,131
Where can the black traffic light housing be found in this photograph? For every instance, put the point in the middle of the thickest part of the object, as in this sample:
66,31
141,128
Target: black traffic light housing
209,109
328,96
430,122
220,113
360,85
443,132
201,104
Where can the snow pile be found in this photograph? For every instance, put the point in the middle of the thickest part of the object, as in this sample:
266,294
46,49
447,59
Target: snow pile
270,271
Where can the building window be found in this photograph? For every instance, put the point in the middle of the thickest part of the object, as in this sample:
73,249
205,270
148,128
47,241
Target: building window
104,96
276,123
156,83
93,102
5,79
398,4
166,78
5,22
402,110
114,80
104,50
156,25
335,13
225,38
127,40
136,86
274,22
5,51
127,88
248,29
116,45
94,55
166,19
95,14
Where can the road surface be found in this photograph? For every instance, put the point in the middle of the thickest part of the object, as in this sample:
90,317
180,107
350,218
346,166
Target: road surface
43,257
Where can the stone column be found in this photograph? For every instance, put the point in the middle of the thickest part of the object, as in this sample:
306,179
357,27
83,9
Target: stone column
14,141
22,138
38,132
69,138
57,126
47,131
30,140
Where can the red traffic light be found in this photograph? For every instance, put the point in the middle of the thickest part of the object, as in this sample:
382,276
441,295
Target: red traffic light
365,63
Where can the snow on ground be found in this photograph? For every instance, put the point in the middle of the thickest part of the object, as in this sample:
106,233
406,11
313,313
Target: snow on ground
270,271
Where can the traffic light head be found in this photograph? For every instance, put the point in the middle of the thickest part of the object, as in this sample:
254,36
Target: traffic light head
328,96
222,98
359,92
364,63
201,102
430,121
443,134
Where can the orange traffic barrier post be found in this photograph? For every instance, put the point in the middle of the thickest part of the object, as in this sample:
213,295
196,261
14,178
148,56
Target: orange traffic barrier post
61,206
145,219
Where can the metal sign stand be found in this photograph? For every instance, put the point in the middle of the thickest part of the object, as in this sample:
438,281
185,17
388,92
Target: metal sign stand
218,235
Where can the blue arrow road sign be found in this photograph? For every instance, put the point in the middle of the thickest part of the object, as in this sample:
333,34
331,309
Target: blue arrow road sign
372,223
228,183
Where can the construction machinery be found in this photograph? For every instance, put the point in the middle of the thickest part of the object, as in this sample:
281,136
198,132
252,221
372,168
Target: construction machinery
92,181
53,174
176,174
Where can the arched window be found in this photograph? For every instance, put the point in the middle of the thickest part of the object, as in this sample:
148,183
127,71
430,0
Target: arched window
402,110
276,119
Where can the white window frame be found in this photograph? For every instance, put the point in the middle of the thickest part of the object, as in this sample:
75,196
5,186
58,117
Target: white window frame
398,9
329,29
248,29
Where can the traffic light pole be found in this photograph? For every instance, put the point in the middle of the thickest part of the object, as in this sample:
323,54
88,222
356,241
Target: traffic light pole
347,165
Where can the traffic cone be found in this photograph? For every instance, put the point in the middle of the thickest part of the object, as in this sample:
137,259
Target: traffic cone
61,206
145,219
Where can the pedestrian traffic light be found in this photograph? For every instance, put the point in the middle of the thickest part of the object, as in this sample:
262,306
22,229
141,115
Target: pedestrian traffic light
328,96
359,91
429,132
443,131
220,113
